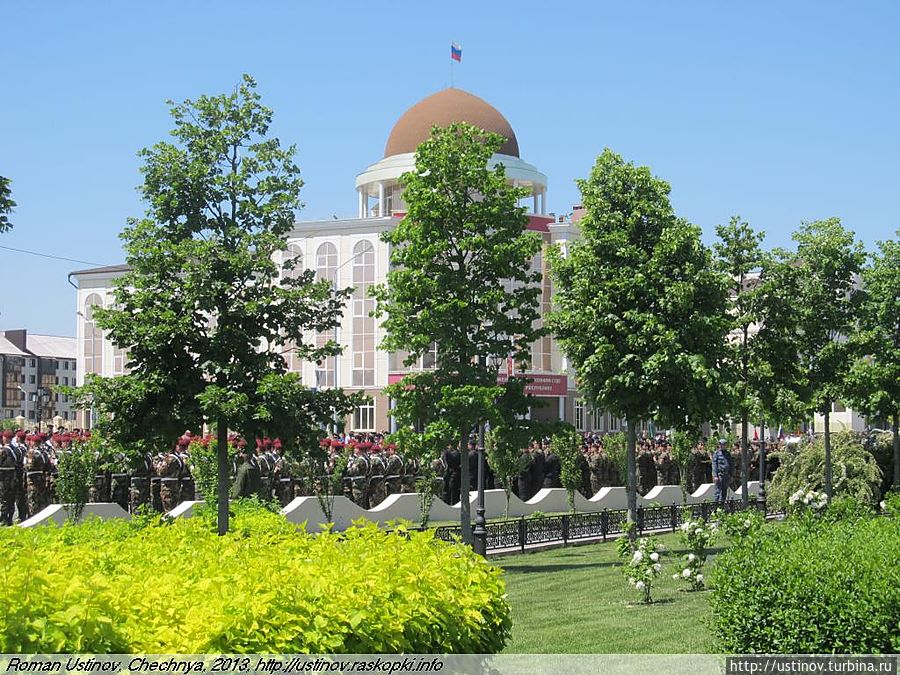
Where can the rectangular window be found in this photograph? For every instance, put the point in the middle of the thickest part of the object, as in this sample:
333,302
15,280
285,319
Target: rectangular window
65,415
31,414
579,414
66,381
33,363
838,407
364,417
613,423
65,365
31,379
597,422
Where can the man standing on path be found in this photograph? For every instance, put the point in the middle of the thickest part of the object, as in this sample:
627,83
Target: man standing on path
721,471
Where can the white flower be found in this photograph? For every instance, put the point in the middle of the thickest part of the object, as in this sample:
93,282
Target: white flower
654,556
686,573
699,578
685,527
691,557
657,567
675,576
712,526
747,523
639,585
882,505
642,541
638,556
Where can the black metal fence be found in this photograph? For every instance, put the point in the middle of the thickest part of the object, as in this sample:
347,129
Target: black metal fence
531,530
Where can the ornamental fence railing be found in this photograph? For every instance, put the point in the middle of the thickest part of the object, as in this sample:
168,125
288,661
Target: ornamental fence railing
520,533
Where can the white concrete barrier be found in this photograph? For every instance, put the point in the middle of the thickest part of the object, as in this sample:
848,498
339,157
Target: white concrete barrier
56,514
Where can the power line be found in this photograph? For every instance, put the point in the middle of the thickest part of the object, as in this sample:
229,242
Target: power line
54,257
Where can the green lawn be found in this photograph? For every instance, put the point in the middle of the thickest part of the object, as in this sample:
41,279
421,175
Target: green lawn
576,600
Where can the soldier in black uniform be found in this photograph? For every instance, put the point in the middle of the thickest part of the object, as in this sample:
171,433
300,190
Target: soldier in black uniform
246,479
452,481
19,450
7,480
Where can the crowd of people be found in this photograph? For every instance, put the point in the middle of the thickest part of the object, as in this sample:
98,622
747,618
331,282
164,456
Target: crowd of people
364,467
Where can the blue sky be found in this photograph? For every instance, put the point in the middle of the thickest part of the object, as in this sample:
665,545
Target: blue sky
780,112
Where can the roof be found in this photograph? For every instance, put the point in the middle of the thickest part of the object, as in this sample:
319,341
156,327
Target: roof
443,109
109,269
7,347
51,346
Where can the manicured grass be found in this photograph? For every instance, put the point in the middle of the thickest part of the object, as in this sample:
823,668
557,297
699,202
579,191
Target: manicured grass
576,600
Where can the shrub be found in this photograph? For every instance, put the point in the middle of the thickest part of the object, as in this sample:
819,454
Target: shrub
855,472
263,588
890,505
740,525
643,566
76,470
829,588
697,535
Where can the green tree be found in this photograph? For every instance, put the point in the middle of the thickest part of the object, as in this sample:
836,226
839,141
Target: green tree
567,446
874,383
738,255
206,309
828,261
6,204
640,309
461,277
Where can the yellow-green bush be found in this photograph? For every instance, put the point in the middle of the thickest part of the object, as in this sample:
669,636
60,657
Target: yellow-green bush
263,588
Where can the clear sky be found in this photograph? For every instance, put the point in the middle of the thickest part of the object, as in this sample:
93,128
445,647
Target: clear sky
778,111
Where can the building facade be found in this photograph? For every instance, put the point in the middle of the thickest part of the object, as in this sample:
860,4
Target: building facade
32,366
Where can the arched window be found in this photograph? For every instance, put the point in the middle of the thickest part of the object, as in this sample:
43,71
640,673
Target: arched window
363,305
93,337
326,268
292,262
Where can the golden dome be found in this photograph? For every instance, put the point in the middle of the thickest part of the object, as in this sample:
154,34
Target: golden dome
443,109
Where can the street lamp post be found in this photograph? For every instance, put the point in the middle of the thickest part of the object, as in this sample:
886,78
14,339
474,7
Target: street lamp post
479,534
761,495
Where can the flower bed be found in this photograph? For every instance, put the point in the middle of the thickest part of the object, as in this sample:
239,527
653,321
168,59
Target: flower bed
263,588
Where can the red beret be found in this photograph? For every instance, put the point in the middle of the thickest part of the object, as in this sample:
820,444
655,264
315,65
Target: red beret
20,434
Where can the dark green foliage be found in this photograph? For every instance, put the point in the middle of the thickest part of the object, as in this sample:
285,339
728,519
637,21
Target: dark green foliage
807,588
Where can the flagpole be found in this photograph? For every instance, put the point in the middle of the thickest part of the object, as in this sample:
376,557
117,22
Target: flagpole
451,65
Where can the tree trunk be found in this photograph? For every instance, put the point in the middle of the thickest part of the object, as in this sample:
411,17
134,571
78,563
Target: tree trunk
465,507
745,459
222,461
630,471
896,434
828,451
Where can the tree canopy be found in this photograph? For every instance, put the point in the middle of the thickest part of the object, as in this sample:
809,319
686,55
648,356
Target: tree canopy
461,276
207,309
639,306
6,204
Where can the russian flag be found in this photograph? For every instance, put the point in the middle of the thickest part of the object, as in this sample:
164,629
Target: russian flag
455,52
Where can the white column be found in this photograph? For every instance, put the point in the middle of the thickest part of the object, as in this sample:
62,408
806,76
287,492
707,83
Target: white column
534,197
562,407
362,204
380,199
543,201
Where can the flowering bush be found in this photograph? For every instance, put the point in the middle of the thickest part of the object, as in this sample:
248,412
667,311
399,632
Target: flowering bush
643,566
740,525
804,499
697,535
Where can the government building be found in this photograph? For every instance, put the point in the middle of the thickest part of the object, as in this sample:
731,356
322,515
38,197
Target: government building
350,253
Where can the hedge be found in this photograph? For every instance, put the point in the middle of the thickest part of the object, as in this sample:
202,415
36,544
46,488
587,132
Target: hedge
115,587
811,586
